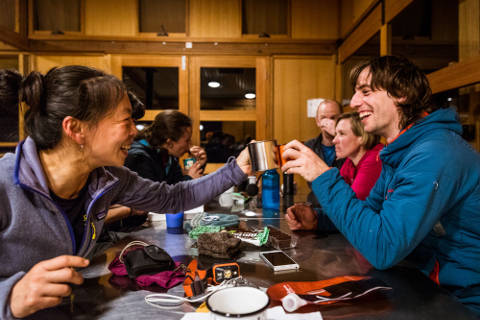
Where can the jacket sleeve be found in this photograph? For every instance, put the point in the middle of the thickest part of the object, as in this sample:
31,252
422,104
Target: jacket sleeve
367,174
142,165
161,197
376,196
6,285
387,233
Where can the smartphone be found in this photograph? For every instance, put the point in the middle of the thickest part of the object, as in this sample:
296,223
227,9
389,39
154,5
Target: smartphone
279,260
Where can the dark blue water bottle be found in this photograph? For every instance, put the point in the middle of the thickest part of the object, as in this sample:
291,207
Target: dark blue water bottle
271,190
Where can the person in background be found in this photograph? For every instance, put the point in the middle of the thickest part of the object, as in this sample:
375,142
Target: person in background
426,204
360,170
63,177
327,113
220,147
155,155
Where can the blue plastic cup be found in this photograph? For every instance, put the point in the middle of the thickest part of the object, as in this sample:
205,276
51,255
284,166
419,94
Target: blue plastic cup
174,222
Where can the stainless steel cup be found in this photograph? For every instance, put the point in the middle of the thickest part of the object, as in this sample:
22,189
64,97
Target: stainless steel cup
263,155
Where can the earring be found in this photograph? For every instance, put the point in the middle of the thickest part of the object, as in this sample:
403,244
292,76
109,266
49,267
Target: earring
81,147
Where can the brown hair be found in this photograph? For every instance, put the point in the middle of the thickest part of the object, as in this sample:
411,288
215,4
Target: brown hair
402,80
369,140
169,124
81,92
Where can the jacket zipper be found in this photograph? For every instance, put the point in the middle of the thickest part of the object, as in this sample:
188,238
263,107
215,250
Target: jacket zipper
88,214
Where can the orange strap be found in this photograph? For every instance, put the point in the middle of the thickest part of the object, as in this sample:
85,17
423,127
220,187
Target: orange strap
280,290
434,274
424,114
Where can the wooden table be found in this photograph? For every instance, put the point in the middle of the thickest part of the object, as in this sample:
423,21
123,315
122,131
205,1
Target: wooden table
319,256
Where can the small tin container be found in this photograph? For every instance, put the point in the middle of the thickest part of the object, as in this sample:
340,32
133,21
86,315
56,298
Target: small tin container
188,163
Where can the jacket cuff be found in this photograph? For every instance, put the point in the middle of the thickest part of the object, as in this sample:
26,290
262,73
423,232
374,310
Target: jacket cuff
6,287
237,175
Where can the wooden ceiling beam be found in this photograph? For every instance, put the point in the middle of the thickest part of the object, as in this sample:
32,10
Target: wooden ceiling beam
456,75
13,39
171,47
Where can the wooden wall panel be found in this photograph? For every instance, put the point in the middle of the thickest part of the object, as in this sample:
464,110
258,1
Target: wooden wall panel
215,18
43,63
351,11
297,79
111,17
9,61
270,16
468,29
366,30
264,127
7,15
315,19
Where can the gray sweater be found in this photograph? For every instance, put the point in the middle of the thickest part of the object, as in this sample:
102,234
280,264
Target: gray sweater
34,228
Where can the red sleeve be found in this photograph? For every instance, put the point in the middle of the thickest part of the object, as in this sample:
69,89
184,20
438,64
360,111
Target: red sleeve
368,171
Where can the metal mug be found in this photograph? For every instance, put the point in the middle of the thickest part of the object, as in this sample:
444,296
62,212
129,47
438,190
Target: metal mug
264,155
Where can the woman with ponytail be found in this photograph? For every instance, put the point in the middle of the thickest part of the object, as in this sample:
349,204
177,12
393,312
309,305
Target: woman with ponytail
57,187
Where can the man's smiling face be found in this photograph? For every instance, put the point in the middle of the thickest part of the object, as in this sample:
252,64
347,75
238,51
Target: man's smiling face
378,110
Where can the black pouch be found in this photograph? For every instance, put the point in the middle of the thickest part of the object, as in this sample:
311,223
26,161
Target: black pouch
147,260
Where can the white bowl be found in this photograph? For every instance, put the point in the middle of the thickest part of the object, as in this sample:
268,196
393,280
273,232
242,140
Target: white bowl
246,303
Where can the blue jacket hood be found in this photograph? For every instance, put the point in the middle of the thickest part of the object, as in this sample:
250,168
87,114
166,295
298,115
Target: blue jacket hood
444,119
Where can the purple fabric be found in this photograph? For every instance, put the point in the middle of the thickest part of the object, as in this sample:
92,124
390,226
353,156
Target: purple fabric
165,279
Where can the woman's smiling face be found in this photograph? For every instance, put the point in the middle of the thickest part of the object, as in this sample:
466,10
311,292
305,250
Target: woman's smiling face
108,141
347,144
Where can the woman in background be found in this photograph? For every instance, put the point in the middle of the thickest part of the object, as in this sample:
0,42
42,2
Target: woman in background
154,154
361,170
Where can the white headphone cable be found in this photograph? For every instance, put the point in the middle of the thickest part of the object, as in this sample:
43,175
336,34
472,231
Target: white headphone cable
166,301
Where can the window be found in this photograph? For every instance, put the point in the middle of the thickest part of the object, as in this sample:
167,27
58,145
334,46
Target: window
227,88
427,32
465,101
156,87
222,139
218,100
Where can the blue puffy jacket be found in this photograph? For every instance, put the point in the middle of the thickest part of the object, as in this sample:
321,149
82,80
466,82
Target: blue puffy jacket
425,204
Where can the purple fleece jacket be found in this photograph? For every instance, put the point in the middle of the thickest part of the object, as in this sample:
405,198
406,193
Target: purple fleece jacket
34,228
